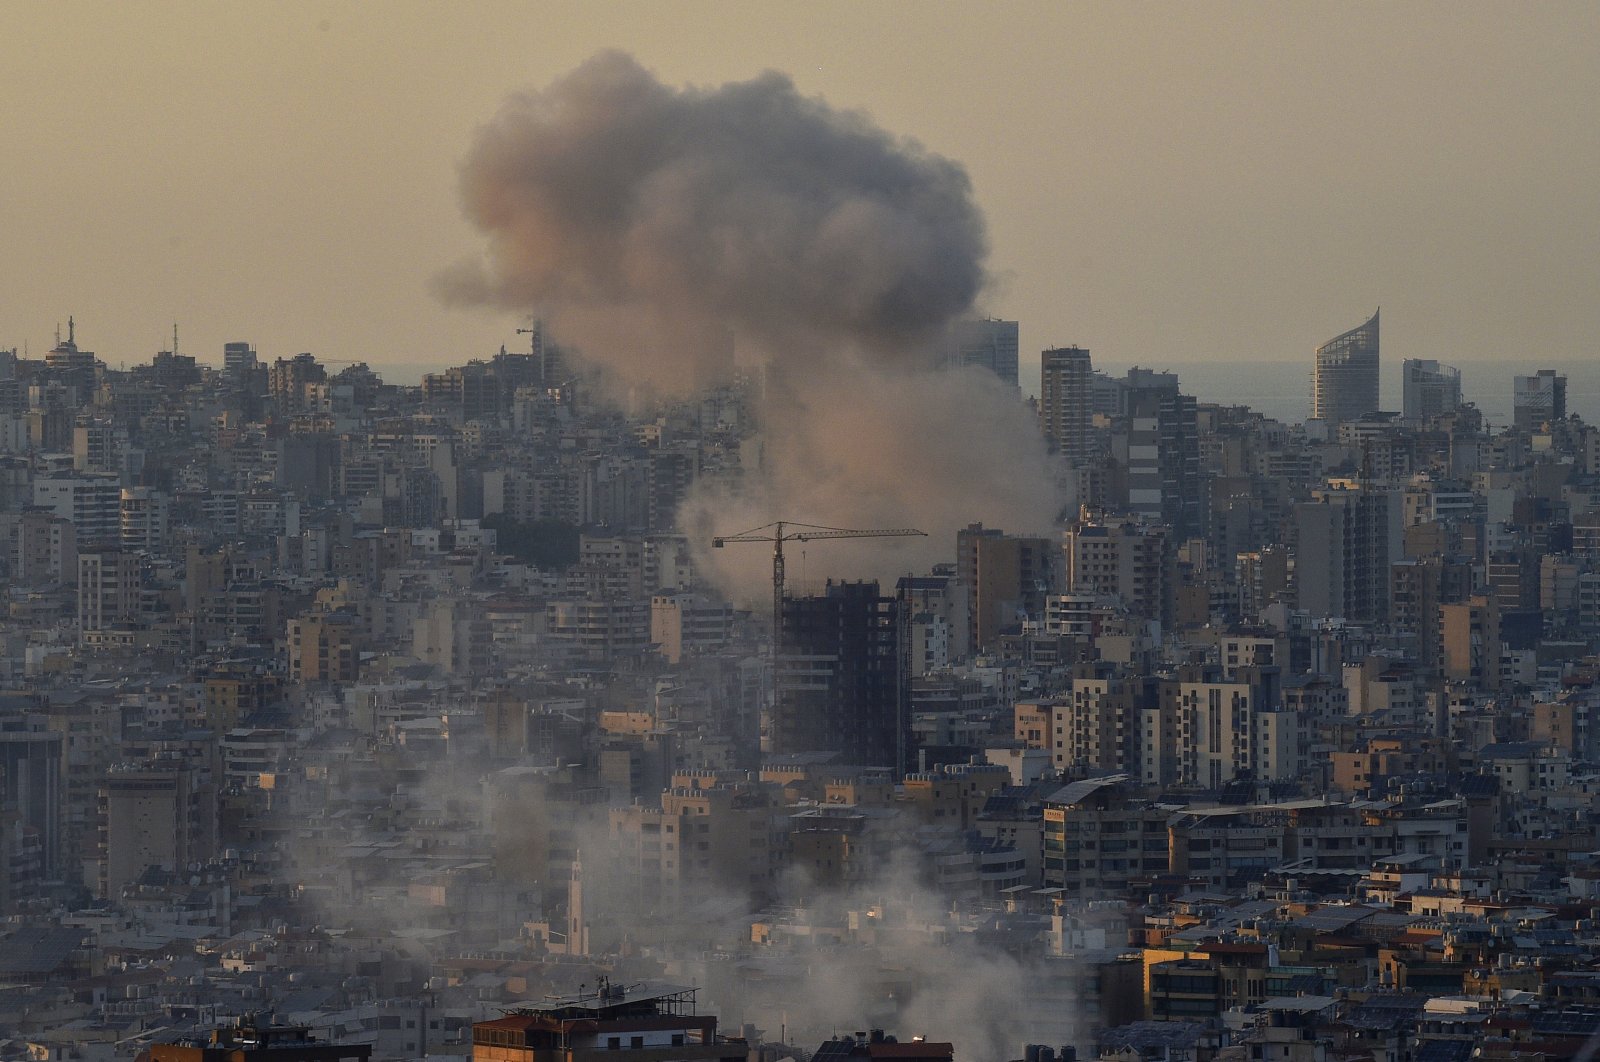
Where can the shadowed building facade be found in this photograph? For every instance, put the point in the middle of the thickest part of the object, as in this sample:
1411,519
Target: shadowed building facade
1346,539
842,682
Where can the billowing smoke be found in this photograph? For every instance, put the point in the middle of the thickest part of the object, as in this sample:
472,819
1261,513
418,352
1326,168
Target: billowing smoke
646,222
874,446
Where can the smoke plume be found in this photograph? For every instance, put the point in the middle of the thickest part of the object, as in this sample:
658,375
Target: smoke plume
646,222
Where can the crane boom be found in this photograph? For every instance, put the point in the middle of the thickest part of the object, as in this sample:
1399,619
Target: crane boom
775,532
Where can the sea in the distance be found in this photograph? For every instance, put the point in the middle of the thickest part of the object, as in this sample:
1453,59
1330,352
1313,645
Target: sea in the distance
1282,389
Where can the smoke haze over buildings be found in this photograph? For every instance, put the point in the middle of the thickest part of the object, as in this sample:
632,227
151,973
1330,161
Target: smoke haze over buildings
645,221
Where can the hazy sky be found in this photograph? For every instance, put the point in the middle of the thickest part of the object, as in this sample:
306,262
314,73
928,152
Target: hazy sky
1163,183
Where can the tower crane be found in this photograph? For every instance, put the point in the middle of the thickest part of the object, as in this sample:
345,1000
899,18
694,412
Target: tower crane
778,533
537,332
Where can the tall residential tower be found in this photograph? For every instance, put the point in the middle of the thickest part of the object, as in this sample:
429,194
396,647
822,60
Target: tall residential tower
1066,384
842,684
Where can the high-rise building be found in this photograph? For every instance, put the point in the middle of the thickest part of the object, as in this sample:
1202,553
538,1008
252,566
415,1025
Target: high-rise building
238,362
1095,727
1125,559
1262,577
71,366
1078,820
1344,383
95,445
726,831
453,635
143,515
1469,640
1538,400
160,813
597,628
289,378
985,342
1428,389
321,648
1217,720
1066,386
1163,452
109,584
842,683
551,364
47,549
673,469
1346,540
92,502
473,391
940,600
1007,579
683,624
33,787
1418,586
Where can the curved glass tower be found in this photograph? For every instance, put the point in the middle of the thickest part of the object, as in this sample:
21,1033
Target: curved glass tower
1344,384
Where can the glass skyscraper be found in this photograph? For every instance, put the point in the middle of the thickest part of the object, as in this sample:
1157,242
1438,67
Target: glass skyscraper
1428,389
1344,383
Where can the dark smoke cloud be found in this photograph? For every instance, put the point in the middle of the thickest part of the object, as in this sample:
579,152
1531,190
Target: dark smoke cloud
645,222
746,206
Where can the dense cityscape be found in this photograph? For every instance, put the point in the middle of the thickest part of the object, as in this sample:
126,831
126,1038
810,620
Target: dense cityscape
742,532
385,710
